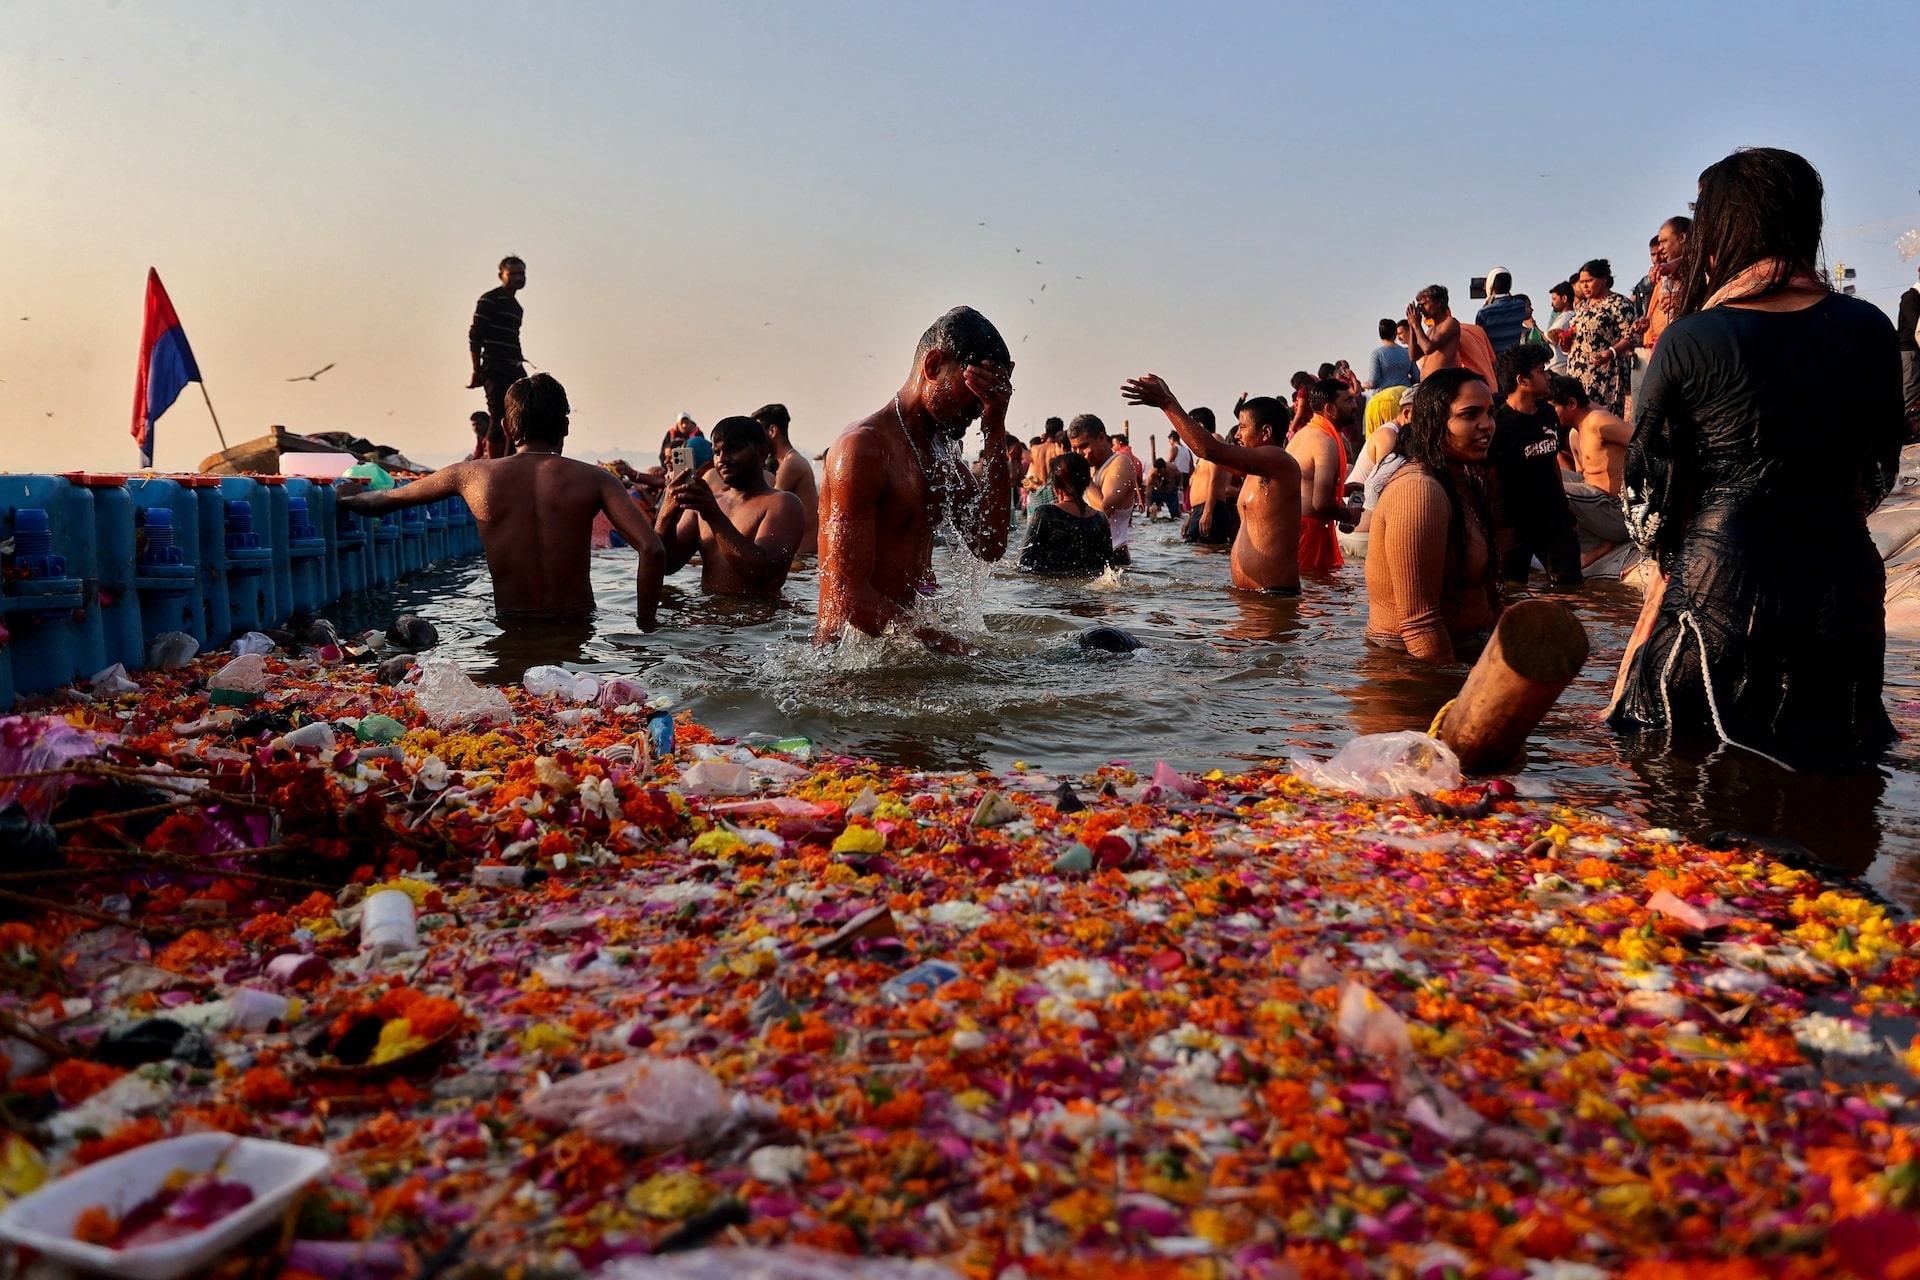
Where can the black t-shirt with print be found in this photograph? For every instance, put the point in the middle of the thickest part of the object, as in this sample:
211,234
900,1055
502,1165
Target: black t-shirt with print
1526,465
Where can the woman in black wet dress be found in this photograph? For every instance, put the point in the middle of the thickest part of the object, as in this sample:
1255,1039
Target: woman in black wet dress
1768,427
1066,536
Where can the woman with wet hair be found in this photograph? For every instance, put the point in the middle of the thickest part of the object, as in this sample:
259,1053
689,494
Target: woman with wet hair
1768,427
1431,589
1067,537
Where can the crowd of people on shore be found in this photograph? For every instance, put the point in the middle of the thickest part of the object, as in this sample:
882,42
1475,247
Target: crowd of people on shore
1731,423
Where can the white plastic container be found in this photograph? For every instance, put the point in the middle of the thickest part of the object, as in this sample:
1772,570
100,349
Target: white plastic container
276,1171
256,1010
386,924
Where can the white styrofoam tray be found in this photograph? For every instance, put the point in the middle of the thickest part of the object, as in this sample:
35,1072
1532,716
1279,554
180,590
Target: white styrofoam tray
276,1171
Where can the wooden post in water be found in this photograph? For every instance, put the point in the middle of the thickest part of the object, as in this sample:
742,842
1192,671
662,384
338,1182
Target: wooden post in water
1537,649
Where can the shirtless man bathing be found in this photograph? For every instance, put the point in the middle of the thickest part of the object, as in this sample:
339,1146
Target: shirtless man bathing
1266,551
747,532
535,510
892,477
792,471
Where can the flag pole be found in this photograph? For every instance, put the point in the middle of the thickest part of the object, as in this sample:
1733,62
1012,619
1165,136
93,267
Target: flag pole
214,416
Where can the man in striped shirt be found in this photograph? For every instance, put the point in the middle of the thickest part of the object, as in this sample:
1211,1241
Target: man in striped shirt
494,340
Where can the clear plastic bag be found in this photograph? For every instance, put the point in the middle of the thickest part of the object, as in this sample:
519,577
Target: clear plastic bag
112,682
790,1262
654,1103
558,682
447,697
1382,765
252,642
171,650
245,674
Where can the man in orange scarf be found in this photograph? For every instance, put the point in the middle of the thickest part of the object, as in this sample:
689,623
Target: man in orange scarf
1322,454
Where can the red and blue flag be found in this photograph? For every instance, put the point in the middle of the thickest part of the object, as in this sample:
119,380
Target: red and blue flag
166,365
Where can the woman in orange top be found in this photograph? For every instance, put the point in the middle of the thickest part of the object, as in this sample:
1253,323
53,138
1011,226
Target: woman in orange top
1431,588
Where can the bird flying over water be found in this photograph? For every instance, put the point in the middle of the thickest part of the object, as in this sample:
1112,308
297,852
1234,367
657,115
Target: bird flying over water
314,376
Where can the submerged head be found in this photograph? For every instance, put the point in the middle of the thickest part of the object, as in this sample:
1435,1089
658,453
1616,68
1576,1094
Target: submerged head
956,341
741,447
537,411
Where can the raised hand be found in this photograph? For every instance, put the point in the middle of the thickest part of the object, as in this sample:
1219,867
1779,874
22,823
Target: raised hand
1150,390
992,385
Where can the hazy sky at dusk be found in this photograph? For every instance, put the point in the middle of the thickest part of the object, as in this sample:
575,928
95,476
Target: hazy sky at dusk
722,205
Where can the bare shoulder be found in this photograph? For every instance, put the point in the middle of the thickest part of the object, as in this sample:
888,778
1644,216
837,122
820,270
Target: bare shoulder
861,442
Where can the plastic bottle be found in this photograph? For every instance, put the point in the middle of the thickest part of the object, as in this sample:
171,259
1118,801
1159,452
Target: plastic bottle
379,728
387,925
660,733
240,681
496,876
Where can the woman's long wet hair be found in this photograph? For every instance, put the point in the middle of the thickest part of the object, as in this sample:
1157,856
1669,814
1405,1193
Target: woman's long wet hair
1424,440
1758,203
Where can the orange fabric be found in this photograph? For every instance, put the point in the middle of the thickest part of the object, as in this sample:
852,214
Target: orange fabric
1476,352
1319,544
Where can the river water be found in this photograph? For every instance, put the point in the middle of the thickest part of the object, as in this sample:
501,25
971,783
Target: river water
1225,677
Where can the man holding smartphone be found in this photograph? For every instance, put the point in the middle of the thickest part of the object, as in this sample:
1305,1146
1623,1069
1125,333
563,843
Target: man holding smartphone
748,531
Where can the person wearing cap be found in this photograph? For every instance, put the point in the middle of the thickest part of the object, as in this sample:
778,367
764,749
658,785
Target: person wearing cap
1504,314
684,429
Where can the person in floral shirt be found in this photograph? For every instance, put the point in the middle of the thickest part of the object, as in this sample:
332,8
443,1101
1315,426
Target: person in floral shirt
1600,337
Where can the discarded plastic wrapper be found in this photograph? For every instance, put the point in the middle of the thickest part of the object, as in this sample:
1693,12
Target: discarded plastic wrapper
240,681
448,698
317,736
1370,1025
643,1102
1381,765
551,682
250,643
717,778
920,982
171,650
42,744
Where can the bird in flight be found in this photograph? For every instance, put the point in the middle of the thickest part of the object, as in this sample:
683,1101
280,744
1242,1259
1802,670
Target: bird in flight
314,376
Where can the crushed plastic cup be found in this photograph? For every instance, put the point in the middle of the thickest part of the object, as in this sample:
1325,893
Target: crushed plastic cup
171,650
1382,765
112,682
448,698
387,925
252,642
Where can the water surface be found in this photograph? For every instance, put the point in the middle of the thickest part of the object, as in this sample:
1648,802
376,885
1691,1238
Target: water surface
1226,677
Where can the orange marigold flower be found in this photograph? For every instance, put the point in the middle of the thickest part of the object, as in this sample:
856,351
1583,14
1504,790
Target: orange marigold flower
75,1081
266,1087
134,1133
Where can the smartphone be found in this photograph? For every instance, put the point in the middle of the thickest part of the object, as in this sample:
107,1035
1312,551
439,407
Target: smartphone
1477,287
679,458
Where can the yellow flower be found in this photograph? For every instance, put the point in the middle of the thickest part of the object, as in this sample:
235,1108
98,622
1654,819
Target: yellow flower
860,840
715,844
1078,1210
672,1196
415,889
396,1041
544,1037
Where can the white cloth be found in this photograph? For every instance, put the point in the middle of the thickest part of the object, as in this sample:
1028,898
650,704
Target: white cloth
1120,520
1364,463
1378,480
1182,458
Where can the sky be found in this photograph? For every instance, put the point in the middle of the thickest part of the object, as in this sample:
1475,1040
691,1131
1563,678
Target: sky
722,205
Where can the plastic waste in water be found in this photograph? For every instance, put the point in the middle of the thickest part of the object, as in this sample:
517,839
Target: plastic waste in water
1383,765
802,747
113,682
622,691
171,650
449,698
379,728
317,736
387,925
552,682
252,642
